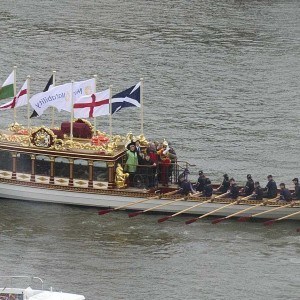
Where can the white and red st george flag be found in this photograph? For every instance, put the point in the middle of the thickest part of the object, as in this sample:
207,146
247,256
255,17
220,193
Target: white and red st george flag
19,100
93,105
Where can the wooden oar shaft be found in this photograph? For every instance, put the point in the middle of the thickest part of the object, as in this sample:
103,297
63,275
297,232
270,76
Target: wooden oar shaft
286,217
131,203
163,204
272,209
241,211
211,212
189,208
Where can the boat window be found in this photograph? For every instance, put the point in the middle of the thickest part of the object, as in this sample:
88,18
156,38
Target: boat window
81,169
42,165
5,160
100,171
62,167
23,163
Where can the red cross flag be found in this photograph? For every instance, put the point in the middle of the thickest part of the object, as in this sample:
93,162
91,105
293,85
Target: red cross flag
93,105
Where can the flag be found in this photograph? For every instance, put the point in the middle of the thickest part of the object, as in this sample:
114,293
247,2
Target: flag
93,105
80,88
53,97
128,98
19,100
47,87
7,89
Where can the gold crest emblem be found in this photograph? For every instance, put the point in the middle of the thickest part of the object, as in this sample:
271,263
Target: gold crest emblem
88,90
68,96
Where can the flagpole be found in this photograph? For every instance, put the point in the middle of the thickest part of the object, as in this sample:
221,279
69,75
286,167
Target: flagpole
95,123
72,112
110,111
28,106
142,105
53,109
15,91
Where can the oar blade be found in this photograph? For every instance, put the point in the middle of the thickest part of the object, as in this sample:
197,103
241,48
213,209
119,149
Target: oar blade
216,221
244,219
270,222
134,214
161,220
191,221
104,211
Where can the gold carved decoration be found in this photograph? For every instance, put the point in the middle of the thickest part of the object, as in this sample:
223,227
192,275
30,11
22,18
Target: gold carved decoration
121,177
42,137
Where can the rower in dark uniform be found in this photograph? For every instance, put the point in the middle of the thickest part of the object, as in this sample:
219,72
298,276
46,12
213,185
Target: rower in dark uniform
186,188
207,189
248,189
285,194
258,193
201,182
296,194
223,188
233,189
270,190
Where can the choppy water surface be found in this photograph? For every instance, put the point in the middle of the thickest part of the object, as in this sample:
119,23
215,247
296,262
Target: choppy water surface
222,83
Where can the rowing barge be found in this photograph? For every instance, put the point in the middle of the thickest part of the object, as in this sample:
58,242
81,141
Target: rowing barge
44,165
10,291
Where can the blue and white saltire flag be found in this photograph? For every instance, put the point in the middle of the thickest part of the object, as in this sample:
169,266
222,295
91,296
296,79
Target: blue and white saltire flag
128,98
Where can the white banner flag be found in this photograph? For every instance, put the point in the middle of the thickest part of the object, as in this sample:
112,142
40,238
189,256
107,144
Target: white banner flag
57,97
61,96
93,105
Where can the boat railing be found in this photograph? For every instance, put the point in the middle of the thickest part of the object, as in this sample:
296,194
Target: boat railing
160,173
30,280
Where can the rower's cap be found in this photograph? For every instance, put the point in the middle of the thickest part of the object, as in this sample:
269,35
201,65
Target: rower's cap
249,176
225,176
208,181
256,182
269,176
200,172
296,179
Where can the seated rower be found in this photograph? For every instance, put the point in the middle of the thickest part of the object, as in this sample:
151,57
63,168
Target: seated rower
233,189
186,188
249,187
296,194
270,191
201,182
207,189
285,194
223,188
257,193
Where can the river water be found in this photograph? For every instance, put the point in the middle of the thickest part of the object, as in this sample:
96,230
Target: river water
221,84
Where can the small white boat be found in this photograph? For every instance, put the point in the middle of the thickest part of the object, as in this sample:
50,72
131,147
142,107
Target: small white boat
10,292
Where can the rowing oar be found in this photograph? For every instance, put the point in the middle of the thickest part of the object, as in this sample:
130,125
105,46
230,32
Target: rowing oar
236,213
166,194
152,208
105,211
244,219
189,208
210,213
270,222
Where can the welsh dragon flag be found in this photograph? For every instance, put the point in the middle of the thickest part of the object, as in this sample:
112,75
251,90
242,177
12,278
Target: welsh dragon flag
7,89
